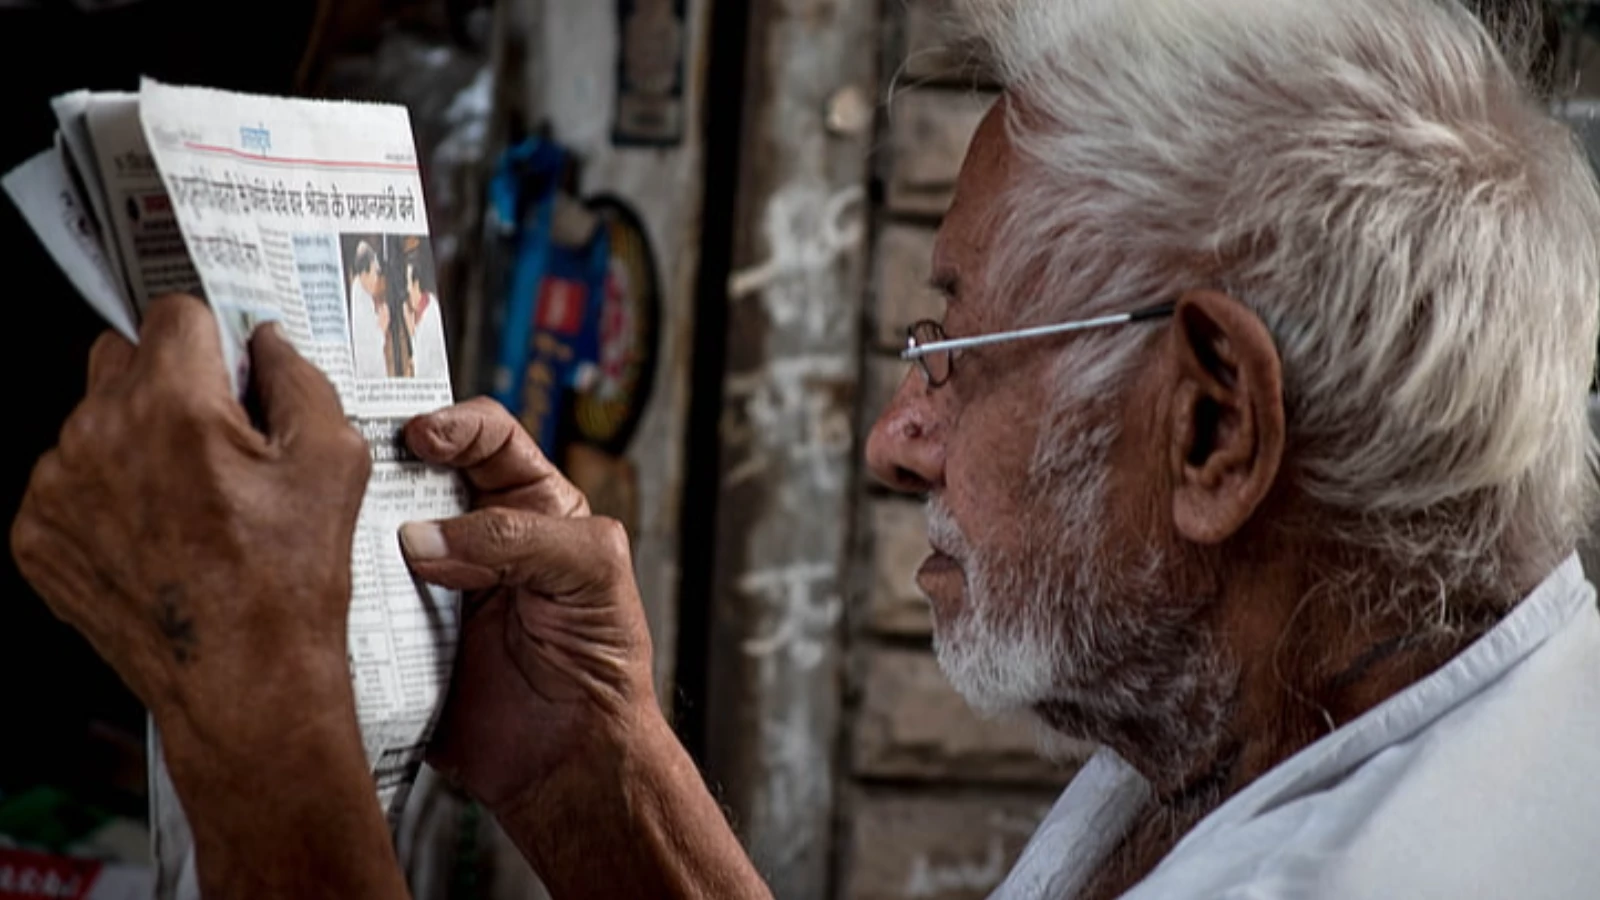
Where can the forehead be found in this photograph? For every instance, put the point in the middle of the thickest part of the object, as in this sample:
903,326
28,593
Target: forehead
965,235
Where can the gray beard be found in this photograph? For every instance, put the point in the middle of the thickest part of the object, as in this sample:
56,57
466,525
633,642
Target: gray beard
1098,646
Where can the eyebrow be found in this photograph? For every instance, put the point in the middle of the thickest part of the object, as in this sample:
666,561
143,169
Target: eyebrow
947,283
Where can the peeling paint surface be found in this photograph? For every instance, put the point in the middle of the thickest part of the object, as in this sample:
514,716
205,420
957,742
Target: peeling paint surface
788,437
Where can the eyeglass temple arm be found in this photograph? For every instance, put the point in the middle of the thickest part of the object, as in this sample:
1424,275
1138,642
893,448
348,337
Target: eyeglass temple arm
1138,315
1160,310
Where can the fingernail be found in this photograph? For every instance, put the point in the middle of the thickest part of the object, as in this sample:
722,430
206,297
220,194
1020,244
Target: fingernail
423,541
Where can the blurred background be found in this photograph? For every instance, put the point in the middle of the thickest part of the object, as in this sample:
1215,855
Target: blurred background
742,197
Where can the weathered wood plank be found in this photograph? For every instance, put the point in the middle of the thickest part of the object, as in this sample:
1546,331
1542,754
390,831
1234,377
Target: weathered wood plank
793,356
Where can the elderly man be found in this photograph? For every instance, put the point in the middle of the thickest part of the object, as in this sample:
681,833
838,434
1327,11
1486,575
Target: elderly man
369,316
1280,513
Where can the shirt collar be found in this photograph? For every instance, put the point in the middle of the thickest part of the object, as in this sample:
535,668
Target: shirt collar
1544,612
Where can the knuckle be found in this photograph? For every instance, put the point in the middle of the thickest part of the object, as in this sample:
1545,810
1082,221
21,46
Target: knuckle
347,445
160,389
47,483
360,468
190,406
28,542
38,552
174,327
141,402
185,309
611,544
105,343
571,501
84,430
52,476
108,346
339,450
322,390
502,529
163,314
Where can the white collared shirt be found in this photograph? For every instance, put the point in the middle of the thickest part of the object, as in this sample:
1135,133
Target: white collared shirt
427,345
1481,780
366,338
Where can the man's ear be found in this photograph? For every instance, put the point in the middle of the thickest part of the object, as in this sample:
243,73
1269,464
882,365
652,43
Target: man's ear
1227,416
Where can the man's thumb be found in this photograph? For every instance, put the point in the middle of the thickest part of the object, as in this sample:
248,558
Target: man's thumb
511,547
295,395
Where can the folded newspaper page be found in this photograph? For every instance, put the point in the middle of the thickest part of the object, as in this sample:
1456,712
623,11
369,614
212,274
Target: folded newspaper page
309,214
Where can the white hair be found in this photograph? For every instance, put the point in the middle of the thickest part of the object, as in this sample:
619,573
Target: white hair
1373,180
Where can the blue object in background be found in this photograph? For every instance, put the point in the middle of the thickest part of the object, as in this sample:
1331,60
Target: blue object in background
550,334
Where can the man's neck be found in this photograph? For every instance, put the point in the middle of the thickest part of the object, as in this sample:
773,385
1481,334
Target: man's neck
1309,655
1317,650
1307,652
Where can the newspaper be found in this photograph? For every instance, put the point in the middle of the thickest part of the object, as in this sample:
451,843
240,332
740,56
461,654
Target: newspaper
55,210
309,214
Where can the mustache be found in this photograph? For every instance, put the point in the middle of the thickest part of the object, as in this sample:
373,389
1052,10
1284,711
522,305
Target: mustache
944,534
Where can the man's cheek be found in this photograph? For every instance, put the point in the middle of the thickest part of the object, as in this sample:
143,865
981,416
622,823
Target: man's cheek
984,509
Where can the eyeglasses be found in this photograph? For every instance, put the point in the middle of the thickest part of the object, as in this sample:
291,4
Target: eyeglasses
926,343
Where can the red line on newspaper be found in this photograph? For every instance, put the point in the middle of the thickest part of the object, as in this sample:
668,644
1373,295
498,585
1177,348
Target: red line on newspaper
326,163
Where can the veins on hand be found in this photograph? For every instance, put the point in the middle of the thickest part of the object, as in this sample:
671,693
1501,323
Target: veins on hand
175,625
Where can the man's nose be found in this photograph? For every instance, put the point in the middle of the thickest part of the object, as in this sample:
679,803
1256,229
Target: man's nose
906,447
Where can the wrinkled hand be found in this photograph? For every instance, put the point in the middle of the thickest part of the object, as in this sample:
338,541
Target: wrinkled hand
207,562
555,660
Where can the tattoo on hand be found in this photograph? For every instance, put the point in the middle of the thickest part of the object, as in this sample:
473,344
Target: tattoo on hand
175,626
